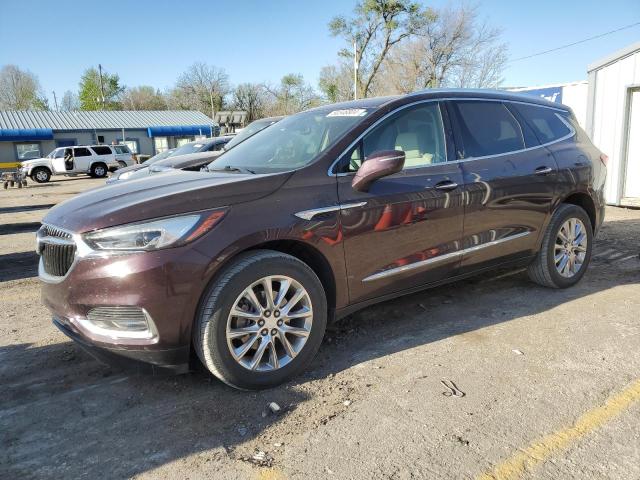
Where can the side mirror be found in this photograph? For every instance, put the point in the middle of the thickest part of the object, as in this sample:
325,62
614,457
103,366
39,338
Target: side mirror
378,165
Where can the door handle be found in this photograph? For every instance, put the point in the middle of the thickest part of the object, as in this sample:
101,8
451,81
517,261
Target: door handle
543,170
446,185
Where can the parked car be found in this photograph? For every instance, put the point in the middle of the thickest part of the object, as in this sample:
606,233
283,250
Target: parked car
250,130
209,145
40,169
331,210
124,173
123,155
95,160
214,144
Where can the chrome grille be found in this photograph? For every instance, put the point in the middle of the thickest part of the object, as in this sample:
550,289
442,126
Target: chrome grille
51,231
57,249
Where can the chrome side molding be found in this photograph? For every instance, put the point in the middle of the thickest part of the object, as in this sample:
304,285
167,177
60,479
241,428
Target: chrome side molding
440,258
309,214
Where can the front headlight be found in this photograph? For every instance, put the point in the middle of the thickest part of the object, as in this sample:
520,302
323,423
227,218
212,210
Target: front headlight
155,234
124,175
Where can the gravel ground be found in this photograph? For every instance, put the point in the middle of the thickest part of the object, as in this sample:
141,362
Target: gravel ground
550,381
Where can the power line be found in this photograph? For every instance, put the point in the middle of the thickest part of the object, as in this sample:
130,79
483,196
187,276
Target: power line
575,43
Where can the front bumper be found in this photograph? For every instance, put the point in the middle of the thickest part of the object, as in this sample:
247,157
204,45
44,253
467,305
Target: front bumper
165,283
172,360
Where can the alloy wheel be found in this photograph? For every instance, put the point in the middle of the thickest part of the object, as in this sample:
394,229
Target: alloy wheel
269,323
570,248
42,176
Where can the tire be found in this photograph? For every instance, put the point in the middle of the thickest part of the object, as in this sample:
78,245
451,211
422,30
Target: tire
213,320
40,175
543,270
98,170
122,164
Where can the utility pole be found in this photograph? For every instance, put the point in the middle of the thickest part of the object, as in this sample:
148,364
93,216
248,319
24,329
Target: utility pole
213,114
101,85
55,100
355,69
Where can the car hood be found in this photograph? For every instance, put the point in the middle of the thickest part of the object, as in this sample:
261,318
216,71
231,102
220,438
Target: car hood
188,160
134,167
33,161
170,193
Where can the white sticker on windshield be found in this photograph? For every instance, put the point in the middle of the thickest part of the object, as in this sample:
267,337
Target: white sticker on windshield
349,112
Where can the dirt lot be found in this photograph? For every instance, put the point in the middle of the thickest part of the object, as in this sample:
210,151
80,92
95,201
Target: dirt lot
551,384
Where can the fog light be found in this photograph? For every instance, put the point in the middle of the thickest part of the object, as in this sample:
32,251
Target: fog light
120,322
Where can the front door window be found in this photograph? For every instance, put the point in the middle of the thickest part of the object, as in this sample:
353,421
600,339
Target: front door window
416,131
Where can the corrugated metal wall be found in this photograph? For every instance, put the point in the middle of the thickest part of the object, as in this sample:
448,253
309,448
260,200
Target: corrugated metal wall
608,122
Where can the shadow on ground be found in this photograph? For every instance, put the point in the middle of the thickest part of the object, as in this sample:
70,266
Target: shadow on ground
64,414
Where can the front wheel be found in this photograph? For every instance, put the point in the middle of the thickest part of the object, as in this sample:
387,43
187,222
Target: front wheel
98,170
261,321
566,249
41,175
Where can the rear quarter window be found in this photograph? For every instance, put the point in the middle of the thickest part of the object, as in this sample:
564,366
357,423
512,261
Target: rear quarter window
545,122
102,150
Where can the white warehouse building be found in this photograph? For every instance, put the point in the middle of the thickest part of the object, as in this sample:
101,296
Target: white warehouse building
613,121
572,94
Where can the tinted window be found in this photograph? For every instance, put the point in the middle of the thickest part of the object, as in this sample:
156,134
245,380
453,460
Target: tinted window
487,128
81,152
102,150
545,122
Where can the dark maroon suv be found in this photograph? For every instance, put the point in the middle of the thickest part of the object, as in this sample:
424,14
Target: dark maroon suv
328,211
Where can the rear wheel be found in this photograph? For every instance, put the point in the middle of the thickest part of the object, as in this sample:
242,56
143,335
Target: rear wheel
566,249
261,321
41,175
99,170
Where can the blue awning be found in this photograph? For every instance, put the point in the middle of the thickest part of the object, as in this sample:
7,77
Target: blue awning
179,130
15,135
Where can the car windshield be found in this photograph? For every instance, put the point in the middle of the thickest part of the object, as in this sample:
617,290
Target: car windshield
248,131
159,156
292,142
191,147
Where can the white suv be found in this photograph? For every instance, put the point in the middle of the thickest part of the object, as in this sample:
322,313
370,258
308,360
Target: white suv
96,160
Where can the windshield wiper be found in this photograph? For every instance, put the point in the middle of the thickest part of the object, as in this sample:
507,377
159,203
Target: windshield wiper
229,168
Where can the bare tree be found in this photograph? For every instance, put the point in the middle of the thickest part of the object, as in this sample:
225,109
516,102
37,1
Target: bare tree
376,27
20,90
251,98
202,87
70,102
336,82
143,97
292,95
453,49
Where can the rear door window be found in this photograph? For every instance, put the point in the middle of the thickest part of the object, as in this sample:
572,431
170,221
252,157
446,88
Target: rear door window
486,128
81,152
545,122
